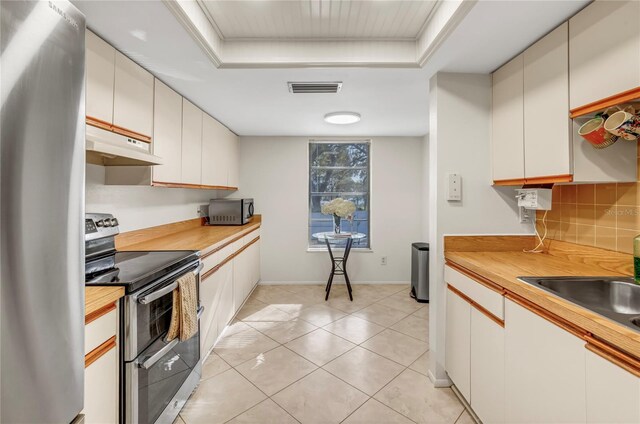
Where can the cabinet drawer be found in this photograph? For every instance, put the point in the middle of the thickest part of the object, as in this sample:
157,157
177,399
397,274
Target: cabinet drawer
209,262
100,330
250,237
483,296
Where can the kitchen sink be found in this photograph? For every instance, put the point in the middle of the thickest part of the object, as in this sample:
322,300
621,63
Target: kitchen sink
617,298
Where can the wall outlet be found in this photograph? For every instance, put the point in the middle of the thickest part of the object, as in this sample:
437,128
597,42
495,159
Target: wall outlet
383,260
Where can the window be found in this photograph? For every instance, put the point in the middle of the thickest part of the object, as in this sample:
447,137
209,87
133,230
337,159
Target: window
339,169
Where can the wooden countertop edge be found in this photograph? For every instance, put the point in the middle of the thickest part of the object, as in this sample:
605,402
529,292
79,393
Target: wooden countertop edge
203,233
602,328
100,298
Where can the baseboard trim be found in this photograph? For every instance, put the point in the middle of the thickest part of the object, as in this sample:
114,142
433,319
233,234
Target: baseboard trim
285,283
439,382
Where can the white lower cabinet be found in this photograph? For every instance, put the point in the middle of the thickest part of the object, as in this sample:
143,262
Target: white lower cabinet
613,393
240,278
458,343
226,309
210,297
487,368
101,389
544,370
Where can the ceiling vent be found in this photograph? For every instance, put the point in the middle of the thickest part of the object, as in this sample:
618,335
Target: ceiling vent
314,87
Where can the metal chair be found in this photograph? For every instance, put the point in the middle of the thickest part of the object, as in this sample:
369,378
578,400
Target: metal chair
339,267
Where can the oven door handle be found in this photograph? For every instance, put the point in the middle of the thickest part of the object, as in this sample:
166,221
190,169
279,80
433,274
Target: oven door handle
166,289
150,361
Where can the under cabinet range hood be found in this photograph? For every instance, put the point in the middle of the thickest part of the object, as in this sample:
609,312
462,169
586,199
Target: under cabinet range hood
111,149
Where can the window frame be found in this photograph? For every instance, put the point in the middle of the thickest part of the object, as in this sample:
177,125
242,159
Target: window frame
311,142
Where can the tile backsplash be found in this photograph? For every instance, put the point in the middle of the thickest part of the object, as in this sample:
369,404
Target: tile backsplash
601,215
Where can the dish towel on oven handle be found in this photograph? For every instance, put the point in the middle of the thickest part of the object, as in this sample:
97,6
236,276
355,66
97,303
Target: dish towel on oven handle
184,315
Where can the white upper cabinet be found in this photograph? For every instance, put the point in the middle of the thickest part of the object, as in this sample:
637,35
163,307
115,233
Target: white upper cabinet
604,50
215,159
133,97
191,143
544,370
547,140
507,141
167,133
613,393
234,160
100,60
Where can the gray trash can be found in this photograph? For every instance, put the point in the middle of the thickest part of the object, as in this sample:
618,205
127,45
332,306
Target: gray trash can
420,272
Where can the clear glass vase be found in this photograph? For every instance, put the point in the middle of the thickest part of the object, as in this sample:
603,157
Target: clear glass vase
336,224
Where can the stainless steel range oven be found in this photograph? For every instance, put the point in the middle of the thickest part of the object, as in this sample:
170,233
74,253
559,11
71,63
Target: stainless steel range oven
156,377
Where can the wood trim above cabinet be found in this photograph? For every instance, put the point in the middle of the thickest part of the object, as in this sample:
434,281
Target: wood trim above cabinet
616,99
98,313
233,240
477,278
565,178
480,309
228,258
613,355
99,123
543,313
99,352
196,186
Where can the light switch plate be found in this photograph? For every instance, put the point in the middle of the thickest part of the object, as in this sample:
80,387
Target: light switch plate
454,191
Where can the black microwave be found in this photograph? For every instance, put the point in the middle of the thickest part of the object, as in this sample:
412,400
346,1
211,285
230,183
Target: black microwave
230,211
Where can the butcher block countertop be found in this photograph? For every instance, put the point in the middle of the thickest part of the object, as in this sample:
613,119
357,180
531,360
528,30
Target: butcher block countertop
501,260
185,235
97,298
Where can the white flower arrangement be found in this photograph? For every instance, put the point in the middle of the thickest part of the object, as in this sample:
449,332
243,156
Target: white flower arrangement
339,207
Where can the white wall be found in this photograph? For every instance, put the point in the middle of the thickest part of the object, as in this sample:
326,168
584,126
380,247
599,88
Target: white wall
273,170
459,142
140,207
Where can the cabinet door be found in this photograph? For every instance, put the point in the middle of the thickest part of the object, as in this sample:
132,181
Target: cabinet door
167,133
133,97
487,368
101,389
604,50
458,343
507,139
544,370
215,155
613,394
234,160
226,310
191,143
100,59
210,297
547,142
241,278
255,265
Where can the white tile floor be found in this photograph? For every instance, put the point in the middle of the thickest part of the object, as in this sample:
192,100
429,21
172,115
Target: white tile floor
292,357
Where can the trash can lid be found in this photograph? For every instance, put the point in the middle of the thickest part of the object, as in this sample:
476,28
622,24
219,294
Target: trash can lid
420,246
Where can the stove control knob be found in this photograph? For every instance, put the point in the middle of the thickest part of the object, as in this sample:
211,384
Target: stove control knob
100,223
106,222
114,222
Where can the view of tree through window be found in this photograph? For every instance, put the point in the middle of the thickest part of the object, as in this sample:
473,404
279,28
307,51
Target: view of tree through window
339,169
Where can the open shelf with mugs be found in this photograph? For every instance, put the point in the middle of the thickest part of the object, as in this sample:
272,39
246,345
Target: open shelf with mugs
602,128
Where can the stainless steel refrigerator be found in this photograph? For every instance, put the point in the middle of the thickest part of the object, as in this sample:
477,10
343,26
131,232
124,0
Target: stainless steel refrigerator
42,211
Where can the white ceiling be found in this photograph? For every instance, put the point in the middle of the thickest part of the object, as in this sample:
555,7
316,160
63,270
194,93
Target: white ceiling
392,102
318,19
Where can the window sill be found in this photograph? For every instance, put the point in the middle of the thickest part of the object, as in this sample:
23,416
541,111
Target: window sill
353,250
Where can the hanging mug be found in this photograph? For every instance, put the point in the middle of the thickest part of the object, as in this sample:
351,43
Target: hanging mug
624,123
593,131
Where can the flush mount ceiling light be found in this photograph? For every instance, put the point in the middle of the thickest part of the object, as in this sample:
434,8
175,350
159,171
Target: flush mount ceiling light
342,118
